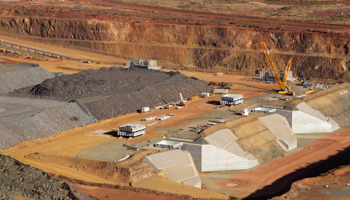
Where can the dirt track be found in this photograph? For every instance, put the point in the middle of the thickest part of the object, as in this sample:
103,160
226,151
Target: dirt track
109,193
321,149
221,17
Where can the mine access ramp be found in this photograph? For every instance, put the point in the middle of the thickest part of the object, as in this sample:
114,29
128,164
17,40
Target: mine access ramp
23,49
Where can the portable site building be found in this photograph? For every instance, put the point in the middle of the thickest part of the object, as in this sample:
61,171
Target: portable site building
231,99
167,144
163,117
131,130
220,91
263,110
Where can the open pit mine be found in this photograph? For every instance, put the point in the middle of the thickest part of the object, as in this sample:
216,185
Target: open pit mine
102,99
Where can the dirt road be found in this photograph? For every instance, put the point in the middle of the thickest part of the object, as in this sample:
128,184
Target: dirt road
220,17
244,184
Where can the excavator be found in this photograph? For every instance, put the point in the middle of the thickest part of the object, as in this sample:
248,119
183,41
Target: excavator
182,101
284,88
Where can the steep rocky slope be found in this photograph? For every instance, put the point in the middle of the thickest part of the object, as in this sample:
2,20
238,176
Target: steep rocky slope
223,47
20,181
331,185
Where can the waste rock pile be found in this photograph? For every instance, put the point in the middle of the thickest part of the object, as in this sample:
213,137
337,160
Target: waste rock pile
21,75
20,181
109,92
24,119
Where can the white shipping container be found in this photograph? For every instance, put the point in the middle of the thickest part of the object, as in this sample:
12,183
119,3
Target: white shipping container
220,91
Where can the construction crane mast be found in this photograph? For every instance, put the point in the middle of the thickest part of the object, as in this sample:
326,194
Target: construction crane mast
272,66
282,85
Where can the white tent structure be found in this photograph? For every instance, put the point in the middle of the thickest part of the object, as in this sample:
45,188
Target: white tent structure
220,153
304,119
280,128
177,165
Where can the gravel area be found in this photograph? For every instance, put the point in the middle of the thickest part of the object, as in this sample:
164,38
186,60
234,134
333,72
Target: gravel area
20,181
23,119
17,76
109,92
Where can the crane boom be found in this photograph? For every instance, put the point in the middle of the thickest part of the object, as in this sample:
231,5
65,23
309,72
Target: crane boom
283,86
287,72
272,66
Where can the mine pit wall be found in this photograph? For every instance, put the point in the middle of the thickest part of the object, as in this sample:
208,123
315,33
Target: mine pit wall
48,122
204,46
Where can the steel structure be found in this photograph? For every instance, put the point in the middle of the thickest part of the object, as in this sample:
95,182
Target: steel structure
283,86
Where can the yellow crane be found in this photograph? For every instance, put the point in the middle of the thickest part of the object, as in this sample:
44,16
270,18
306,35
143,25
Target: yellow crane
287,72
284,88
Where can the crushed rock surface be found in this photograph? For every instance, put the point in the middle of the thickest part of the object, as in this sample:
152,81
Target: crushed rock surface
18,179
110,92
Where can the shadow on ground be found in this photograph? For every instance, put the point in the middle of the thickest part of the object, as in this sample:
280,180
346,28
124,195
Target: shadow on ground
283,184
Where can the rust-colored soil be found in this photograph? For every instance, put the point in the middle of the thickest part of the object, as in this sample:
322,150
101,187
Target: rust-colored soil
109,193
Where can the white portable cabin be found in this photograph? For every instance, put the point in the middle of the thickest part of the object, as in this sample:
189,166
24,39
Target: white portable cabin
220,91
168,144
231,99
205,95
163,117
145,109
131,130
263,110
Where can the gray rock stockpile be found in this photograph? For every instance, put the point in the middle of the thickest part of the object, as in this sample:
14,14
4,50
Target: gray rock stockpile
24,119
21,75
18,180
107,93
